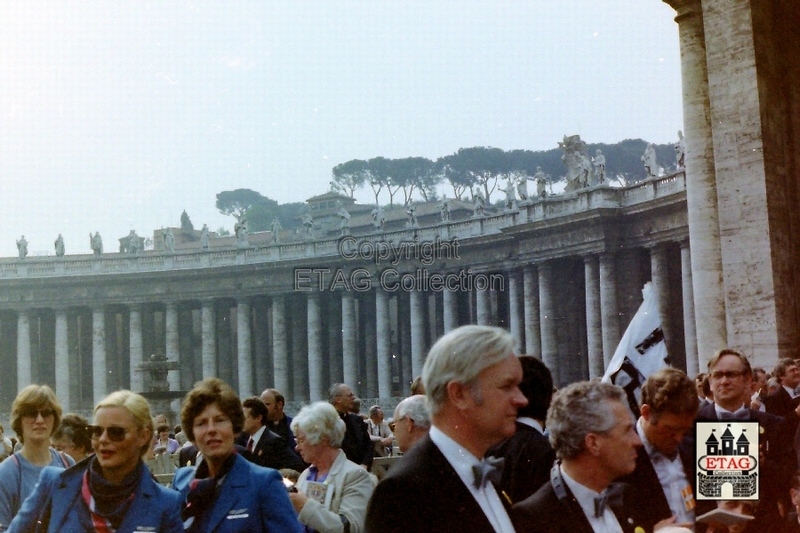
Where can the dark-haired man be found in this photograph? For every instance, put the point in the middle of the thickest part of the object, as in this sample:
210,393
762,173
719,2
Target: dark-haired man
277,420
265,447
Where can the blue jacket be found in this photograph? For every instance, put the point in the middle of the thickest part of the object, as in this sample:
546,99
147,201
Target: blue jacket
252,498
154,506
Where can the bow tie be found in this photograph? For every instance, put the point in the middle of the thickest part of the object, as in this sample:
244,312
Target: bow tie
742,414
489,469
611,496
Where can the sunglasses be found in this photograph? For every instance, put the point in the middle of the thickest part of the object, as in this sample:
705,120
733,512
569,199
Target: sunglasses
115,433
34,413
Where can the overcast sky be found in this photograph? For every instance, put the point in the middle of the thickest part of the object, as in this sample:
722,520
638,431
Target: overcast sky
118,115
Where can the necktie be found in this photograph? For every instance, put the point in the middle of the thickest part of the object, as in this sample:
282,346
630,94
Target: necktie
488,469
742,414
250,445
611,496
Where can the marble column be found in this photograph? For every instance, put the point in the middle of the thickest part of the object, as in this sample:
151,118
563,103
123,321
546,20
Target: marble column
548,322
515,319
370,389
701,188
689,324
209,333
450,310
298,319
417,319
483,304
530,296
659,274
594,329
349,342
609,311
24,366
280,351
314,325
383,343
62,360
172,344
99,372
244,352
136,348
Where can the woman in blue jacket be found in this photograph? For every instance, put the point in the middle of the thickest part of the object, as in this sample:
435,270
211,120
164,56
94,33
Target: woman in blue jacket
111,490
227,493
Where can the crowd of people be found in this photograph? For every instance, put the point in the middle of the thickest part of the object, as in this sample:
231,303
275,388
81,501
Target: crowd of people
485,444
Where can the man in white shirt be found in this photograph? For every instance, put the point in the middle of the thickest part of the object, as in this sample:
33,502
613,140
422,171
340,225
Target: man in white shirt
471,378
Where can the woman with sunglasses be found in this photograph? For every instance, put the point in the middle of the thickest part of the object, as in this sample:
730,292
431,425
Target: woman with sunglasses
226,492
111,490
35,413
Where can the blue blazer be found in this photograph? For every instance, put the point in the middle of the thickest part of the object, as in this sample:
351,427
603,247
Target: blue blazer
252,498
154,508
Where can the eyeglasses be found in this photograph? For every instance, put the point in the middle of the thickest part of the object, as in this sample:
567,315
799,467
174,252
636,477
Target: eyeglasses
730,374
35,413
393,423
115,433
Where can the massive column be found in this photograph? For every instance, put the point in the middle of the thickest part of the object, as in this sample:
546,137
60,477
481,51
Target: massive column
136,348
24,367
383,343
280,356
172,344
689,329
450,310
349,344
417,317
484,306
99,374
244,355
314,347
701,189
533,340
609,313
594,329
515,320
659,274
62,360
548,319
209,333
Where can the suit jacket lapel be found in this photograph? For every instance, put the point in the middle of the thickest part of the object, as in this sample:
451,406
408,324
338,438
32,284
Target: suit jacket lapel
139,509
237,477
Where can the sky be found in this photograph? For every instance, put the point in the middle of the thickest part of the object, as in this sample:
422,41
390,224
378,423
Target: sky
120,115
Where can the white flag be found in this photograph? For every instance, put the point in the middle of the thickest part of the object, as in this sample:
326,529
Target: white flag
641,351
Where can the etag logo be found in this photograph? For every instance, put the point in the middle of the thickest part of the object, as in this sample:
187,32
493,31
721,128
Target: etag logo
727,460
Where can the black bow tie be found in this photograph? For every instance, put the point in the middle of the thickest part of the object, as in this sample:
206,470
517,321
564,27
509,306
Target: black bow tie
611,496
742,414
489,469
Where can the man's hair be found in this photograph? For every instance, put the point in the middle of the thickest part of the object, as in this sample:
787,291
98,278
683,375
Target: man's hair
669,390
416,408
700,377
207,392
758,370
416,385
748,370
334,391
257,408
537,386
275,394
579,409
783,364
34,397
706,386
460,356
374,409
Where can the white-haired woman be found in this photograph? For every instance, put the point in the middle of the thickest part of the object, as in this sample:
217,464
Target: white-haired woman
333,492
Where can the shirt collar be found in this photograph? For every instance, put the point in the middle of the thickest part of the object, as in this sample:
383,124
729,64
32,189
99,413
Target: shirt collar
719,410
532,422
458,456
257,435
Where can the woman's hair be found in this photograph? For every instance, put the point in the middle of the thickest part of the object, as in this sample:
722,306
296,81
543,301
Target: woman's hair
73,427
136,405
161,428
319,421
205,393
34,397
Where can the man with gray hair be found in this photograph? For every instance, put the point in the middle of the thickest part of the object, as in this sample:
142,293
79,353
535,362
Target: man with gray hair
412,421
357,445
471,379
593,435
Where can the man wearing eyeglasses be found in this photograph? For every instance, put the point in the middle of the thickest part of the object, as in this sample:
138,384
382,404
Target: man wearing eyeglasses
731,379
412,421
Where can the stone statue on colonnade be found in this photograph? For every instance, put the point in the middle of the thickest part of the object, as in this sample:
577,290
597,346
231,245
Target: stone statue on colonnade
22,246
599,167
59,244
169,240
649,160
96,243
204,237
444,208
680,152
275,228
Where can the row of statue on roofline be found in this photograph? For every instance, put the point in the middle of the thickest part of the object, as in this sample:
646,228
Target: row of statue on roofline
582,172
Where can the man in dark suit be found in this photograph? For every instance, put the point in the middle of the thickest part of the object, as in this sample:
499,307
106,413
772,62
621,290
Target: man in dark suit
528,454
661,485
277,421
443,483
357,445
592,431
266,448
785,401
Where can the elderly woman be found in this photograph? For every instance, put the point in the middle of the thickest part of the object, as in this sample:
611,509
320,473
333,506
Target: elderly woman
34,415
333,492
226,492
111,490
72,437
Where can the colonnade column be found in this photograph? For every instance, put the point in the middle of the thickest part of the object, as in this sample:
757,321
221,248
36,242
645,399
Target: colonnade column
349,343
383,343
701,188
244,356
99,371
417,320
548,319
530,296
209,334
515,321
450,310
659,274
62,360
136,348
594,329
689,324
280,356
24,367
484,306
314,348
609,310
172,344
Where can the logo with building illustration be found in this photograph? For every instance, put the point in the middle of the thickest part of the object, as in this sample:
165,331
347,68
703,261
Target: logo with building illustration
727,464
